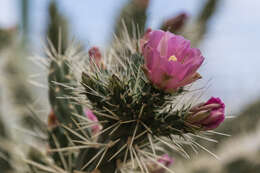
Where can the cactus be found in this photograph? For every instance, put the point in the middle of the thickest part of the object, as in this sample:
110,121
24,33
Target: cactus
57,32
132,18
198,28
7,36
65,107
136,119
136,116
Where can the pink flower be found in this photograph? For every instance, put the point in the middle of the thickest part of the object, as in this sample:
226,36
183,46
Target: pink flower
165,160
96,56
170,62
95,128
207,115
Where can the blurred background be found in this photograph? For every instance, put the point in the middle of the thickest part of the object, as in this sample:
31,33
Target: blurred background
227,32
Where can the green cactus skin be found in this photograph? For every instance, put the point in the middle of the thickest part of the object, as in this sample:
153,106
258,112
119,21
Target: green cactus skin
58,32
63,108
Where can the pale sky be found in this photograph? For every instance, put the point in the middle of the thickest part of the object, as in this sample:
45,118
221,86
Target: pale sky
231,47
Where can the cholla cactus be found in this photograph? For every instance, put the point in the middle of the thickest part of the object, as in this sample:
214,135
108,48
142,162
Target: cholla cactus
132,106
116,111
135,100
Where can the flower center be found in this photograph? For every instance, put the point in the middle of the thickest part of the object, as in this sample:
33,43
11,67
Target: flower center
172,58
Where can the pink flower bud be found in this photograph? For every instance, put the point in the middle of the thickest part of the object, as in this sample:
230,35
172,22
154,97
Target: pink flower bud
52,120
166,160
170,62
96,56
141,3
176,23
96,127
207,115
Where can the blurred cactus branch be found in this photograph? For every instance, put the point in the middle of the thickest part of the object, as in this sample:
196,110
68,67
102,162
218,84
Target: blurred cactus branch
25,9
20,93
7,36
208,10
206,14
57,31
198,28
133,16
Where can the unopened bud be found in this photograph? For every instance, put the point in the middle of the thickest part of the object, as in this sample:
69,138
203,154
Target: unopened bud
52,120
207,115
176,23
96,56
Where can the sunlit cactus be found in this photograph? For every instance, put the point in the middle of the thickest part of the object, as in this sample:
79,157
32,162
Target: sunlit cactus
135,114
132,106
65,108
125,109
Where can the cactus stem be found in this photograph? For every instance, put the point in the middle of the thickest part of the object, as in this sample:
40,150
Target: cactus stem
133,137
73,132
91,160
104,130
119,124
60,154
102,157
104,115
123,147
112,113
152,144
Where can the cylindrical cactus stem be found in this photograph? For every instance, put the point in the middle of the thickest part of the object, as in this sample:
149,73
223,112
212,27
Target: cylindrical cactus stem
57,32
65,108
61,94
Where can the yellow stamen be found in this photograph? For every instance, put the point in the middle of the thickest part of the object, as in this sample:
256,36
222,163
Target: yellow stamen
172,58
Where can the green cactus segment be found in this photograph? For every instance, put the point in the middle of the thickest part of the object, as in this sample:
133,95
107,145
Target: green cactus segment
65,108
58,139
131,108
57,32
